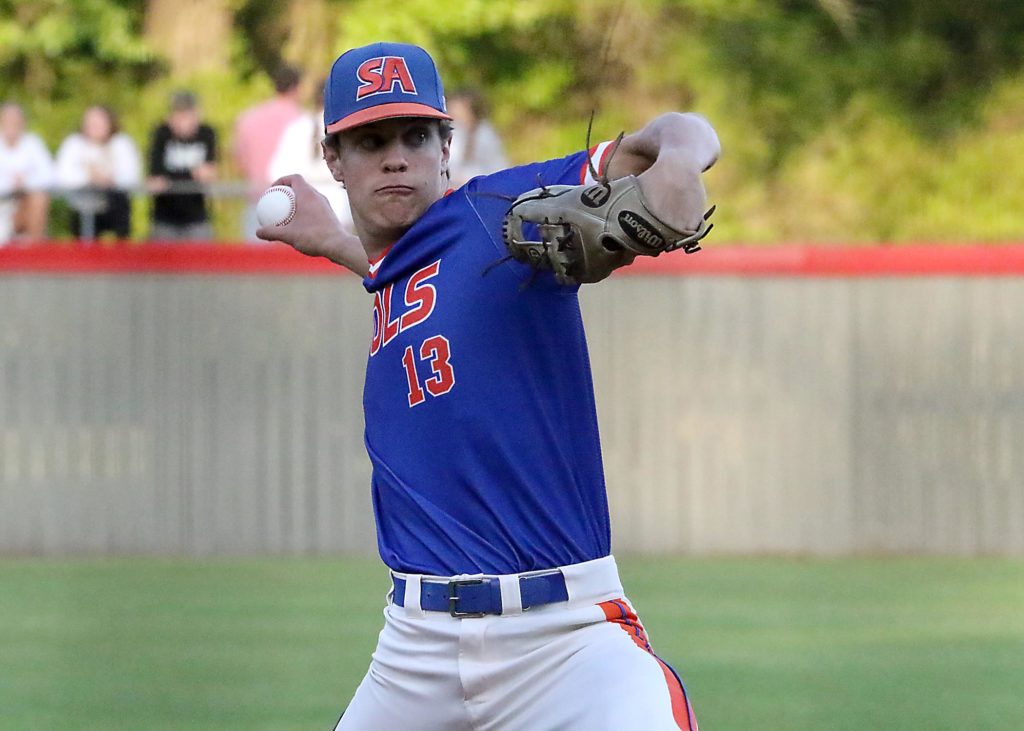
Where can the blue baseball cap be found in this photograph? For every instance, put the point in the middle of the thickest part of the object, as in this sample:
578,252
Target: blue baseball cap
381,81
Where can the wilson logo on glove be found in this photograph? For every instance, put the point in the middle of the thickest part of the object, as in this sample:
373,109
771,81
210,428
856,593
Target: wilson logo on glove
584,234
641,230
596,196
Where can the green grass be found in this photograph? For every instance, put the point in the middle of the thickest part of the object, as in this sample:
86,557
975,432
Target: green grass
281,644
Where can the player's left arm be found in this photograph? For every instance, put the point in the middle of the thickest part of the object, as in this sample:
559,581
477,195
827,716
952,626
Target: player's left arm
646,197
668,156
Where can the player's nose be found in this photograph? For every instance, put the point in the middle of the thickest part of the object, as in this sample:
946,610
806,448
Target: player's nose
395,158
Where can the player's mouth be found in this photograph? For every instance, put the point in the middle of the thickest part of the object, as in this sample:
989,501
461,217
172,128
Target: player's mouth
395,190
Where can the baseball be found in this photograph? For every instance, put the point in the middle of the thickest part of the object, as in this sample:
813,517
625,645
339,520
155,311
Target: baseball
276,207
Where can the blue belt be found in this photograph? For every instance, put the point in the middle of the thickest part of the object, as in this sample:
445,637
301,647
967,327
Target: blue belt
481,596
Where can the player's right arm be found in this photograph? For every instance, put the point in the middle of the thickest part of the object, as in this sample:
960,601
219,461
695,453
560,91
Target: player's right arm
315,230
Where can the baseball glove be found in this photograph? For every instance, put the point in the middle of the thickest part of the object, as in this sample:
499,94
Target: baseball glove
588,231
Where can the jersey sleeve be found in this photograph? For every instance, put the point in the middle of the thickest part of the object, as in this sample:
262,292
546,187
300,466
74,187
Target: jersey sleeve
598,157
575,169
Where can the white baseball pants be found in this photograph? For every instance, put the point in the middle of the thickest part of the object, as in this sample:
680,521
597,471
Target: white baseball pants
580,664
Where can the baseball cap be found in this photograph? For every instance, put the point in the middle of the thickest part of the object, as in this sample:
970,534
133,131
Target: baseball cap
381,81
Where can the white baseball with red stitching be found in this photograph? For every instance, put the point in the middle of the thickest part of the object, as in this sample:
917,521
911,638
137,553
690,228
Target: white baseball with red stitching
276,207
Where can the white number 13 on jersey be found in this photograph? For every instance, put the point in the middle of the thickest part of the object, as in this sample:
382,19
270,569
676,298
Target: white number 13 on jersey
436,351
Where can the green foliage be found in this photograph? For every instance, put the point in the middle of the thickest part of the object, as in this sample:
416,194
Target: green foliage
262,32
54,48
873,130
841,120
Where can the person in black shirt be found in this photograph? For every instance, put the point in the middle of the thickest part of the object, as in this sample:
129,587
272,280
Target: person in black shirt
182,158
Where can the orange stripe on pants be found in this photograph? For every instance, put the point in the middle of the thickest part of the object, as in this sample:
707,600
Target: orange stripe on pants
619,612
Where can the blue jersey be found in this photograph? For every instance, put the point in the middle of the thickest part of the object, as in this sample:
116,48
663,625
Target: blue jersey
480,418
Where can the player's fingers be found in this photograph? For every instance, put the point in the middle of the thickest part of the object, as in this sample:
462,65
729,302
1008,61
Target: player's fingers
293,180
269,233
301,187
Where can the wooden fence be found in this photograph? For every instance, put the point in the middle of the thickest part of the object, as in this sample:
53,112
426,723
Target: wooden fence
200,401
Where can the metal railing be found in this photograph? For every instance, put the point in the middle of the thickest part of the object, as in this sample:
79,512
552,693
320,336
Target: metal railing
90,201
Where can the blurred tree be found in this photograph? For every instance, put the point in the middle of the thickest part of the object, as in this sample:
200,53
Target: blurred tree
262,32
310,43
192,35
54,48
840,118
540,63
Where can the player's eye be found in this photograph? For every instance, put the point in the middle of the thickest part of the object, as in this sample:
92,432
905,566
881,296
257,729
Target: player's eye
369,142
417,136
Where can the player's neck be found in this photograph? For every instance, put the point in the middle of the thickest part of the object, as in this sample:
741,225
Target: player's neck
375,250
377,243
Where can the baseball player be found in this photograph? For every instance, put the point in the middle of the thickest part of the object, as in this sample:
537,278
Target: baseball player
506,610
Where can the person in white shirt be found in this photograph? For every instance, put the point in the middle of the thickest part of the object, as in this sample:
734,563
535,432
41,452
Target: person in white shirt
299,151
26,174
98,166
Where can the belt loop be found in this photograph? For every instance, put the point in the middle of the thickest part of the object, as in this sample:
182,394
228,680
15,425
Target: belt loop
412,596
511,596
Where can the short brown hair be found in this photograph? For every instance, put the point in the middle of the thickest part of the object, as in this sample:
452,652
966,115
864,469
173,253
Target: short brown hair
285,78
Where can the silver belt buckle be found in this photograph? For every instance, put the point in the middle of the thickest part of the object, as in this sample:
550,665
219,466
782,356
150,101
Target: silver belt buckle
453,598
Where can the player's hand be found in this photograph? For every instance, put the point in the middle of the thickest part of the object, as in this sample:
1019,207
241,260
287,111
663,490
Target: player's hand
315,229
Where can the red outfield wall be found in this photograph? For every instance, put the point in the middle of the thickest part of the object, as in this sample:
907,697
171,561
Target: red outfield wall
789,260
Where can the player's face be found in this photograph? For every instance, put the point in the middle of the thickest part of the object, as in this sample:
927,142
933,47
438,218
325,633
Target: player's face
394,170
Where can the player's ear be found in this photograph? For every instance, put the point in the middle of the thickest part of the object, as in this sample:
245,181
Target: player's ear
446,148
332,158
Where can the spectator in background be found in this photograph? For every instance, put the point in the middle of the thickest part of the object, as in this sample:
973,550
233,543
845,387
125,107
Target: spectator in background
101,165
258,131
183,153
26,174
299,151
476,147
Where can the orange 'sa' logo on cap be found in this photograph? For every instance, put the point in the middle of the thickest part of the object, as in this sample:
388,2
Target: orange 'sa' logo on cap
381,75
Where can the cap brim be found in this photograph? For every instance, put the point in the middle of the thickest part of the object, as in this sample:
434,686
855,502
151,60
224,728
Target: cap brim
385,111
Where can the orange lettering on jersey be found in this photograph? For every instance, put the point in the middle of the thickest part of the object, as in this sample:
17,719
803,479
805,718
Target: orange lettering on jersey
420,296
382,74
